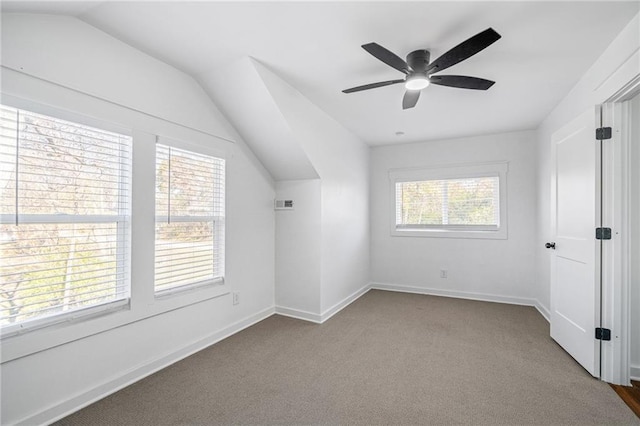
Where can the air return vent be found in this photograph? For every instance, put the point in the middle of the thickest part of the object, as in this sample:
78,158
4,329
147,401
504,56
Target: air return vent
284,204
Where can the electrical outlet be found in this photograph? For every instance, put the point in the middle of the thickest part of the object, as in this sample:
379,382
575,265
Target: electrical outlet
443,273
236,298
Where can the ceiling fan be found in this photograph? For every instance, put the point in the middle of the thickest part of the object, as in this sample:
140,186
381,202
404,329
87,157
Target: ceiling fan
420,73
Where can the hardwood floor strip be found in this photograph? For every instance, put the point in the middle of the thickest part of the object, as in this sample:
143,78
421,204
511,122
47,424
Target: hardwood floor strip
630,395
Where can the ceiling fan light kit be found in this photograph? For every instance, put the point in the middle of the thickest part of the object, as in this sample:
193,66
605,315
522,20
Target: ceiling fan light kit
417,82
419,72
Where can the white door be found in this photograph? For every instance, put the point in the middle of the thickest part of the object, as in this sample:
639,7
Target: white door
575,261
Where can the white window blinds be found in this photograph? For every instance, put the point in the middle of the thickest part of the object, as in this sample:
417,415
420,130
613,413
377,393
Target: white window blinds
64,233
449,203
190,193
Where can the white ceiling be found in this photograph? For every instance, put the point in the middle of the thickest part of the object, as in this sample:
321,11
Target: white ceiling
545,48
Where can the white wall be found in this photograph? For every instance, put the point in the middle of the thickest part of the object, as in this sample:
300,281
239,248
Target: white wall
298,141
342,162
298,248
86,65
501,270
49,372
616,67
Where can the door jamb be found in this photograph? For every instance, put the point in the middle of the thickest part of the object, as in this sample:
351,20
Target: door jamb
615,354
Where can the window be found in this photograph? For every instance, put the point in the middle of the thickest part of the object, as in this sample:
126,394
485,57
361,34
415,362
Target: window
189,243
447,203
459,201
64,231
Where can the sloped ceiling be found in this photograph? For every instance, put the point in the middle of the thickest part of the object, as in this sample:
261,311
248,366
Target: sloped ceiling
245,100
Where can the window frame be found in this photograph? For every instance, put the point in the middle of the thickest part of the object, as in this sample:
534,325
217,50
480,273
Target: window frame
459,171
219,223
122,219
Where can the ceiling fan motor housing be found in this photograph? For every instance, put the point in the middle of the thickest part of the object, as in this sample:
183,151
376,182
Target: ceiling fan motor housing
418,60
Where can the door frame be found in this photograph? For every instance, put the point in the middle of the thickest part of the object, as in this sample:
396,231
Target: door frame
615,354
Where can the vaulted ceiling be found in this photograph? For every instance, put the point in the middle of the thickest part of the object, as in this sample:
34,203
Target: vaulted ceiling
544,49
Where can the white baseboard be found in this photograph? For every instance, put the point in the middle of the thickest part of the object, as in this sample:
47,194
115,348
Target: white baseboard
460,295
344,303
299,314
322,317
544,311
634,371
135,374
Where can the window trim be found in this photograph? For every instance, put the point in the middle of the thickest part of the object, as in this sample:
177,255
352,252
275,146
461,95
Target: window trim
122,219
455,171
219,222
67,317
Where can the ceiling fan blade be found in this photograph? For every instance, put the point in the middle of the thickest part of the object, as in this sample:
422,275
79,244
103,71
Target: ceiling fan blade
461,81
464,50
372,86
410,99
387,57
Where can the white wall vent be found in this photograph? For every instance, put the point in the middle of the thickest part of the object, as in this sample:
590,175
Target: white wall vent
284,204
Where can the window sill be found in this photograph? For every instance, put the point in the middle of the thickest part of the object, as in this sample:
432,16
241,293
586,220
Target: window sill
500,234
29,342
214,286
68,318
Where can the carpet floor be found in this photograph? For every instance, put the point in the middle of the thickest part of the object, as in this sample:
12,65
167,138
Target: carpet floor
388,358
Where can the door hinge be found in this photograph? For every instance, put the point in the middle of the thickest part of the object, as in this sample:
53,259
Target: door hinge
603,334
603,233
603,133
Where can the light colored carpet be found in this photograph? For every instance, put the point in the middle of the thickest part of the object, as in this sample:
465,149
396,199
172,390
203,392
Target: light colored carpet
389,358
